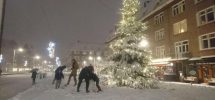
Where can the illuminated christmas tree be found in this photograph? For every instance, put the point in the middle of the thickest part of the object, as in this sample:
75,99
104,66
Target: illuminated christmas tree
129,65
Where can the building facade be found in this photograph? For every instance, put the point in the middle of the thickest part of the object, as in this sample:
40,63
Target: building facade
182,39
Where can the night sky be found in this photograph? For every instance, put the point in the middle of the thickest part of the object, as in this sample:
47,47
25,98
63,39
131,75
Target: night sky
63,21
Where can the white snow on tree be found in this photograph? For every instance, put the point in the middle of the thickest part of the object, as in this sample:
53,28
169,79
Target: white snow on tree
129,62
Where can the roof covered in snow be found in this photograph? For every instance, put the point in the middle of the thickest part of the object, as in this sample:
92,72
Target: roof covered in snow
149,7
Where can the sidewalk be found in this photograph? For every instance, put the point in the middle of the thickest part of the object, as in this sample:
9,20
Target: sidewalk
43,90
189,84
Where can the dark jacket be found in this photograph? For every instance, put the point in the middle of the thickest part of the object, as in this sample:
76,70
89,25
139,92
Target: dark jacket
59,72
34,74
86,72
94,77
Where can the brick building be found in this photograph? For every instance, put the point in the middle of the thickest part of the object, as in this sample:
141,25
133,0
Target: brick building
182,37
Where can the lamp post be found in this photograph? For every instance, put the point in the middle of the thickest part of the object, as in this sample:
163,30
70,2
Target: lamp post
14,55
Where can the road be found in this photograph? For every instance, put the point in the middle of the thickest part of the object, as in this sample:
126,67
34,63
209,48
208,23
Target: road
11,85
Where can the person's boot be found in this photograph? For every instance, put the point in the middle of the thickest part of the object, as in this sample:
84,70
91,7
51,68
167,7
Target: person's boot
99,89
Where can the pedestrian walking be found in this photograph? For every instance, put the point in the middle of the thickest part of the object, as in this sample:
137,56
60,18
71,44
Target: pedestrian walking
33,76
0,71
73,73
59,76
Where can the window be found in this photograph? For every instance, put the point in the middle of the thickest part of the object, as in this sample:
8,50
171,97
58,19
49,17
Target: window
180,27
160,52
178,8
159,18
181,48
159,35
197,1
207,41
206,16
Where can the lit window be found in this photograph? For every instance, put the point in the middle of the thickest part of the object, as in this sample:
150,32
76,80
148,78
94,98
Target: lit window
159,35
180,27
207,41
159,18
206,16
181,48
178,8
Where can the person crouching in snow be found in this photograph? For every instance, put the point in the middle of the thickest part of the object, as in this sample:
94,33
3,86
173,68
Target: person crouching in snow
59,76
87,73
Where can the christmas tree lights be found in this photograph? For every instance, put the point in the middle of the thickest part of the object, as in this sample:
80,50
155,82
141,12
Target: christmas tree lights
129,62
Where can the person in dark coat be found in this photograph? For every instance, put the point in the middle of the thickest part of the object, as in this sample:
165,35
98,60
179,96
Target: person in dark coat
87,73
59,76
0,71
95,78
33,76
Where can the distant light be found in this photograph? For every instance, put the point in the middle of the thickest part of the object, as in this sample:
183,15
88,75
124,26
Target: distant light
58,63
1,58
20,49
26,63
84,62
143,43
171,64
51,49
37,57
14,69
45,62
90,58
99,58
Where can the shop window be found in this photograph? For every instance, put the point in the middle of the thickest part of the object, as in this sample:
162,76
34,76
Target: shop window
191,71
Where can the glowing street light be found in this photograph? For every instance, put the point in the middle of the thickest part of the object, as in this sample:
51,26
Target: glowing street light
90,58
143,43
84,63
45,62
99,58
20,49
14,55
37,57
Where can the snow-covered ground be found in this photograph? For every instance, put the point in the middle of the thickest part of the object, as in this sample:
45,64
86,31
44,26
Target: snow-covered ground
11,85
44,90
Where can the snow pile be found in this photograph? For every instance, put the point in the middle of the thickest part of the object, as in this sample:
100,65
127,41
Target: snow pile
167,91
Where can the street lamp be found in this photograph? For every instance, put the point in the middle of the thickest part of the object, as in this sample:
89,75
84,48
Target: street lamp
37,57
14,54
143,43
